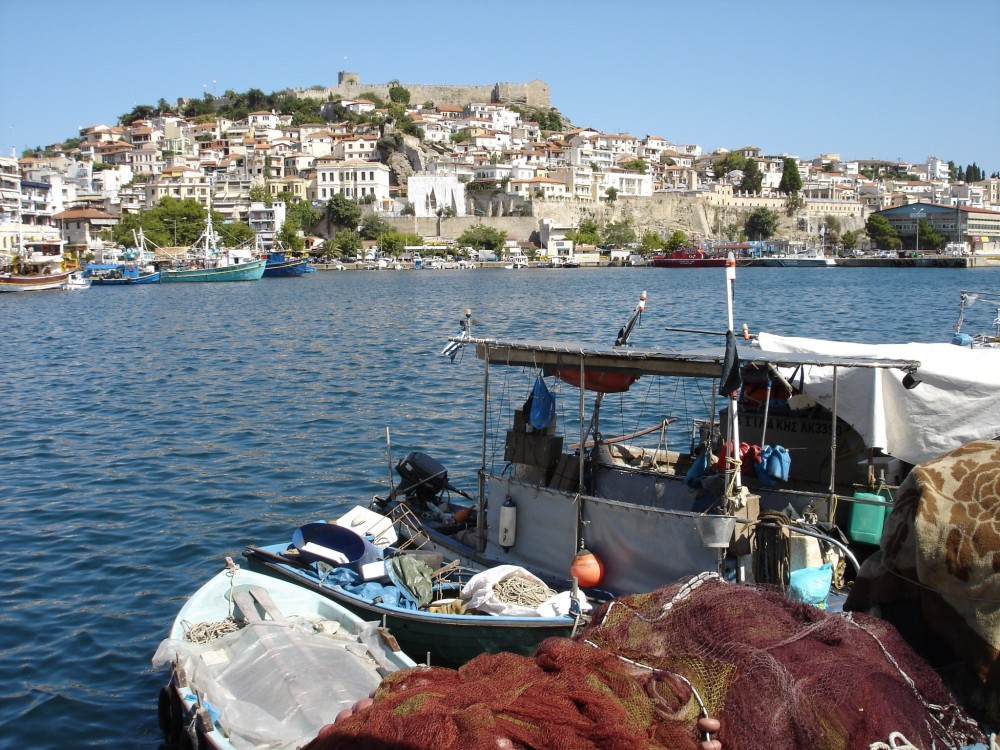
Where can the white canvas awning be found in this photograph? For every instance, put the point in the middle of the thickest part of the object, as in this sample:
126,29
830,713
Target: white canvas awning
957,399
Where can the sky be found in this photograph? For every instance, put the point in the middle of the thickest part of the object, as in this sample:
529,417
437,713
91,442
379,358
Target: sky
884,79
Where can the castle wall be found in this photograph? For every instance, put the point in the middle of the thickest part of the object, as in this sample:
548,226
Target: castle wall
663,213
350,86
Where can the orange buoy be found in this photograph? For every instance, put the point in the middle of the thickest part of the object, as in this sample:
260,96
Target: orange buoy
587,569
462,514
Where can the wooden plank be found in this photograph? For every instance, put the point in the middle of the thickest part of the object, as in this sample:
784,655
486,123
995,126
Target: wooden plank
247,606
264,599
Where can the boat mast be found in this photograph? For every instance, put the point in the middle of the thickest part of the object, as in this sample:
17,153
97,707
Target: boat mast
622,340
734,422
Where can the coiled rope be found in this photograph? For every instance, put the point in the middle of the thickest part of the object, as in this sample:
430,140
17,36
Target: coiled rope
771,549
206,632
518,590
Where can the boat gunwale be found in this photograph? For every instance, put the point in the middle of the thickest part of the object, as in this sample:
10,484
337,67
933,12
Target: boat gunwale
439,618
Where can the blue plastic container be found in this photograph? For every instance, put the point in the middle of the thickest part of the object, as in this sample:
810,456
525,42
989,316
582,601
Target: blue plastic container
338,539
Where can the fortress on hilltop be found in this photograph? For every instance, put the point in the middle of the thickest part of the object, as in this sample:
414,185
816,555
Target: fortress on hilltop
533,94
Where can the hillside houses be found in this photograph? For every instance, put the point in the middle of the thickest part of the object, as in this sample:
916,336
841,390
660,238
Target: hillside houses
484,158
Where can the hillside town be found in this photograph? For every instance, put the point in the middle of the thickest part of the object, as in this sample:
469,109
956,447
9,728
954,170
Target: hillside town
473,157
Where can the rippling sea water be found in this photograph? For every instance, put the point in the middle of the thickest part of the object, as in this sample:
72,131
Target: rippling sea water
147,432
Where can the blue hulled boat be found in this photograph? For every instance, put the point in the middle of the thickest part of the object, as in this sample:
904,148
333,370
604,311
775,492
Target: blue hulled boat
119,274
278,264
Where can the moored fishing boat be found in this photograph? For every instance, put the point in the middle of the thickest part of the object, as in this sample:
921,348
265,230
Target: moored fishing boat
77,281
35,266
260,662
120,274
430,604
133,267
279,265
556,492
207,260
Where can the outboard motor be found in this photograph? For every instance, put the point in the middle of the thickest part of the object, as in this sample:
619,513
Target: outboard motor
421,477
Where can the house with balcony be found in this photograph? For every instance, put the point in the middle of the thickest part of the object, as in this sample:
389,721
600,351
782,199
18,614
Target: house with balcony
266,221
627,183
362,181
301,186
357,148
182,183
537,187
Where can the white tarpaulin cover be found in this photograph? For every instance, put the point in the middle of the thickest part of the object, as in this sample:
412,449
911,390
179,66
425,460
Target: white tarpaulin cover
957,400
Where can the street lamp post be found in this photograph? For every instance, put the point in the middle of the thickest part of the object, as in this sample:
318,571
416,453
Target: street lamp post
917,215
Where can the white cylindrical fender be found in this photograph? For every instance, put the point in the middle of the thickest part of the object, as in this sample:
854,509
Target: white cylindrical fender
508,524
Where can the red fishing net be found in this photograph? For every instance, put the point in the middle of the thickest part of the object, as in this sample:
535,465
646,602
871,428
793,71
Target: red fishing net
776,673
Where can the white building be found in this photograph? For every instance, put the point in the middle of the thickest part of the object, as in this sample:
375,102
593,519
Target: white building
430,192
362,181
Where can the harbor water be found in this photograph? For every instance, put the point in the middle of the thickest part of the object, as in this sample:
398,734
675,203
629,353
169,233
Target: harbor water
149,431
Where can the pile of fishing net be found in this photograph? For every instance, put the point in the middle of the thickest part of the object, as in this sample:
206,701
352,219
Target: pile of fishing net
777,674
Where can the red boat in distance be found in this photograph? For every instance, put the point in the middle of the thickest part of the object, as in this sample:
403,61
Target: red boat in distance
690,257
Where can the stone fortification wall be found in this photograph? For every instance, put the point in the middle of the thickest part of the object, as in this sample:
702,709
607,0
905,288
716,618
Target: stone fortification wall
350,86
520,228
664,214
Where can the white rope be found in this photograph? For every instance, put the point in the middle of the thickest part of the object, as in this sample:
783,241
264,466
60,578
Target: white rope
896,742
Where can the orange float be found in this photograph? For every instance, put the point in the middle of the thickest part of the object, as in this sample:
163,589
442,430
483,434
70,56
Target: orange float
587,569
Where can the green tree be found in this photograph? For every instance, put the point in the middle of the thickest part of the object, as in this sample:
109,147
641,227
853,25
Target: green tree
635,165
482,237
753,178
732,161
588,233
139,112
612,194
289,236
832,225
304,213
881,233
761,224
619,233
651,242
791,180
794,203
373,226
171,223
930,238
346,242
675,241
260,194
394,243
398,94
343,212
850,239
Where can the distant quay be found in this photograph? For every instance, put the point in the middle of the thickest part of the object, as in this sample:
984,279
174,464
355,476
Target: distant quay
349,86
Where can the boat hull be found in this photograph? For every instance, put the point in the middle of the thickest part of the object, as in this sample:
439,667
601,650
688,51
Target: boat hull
147,278
797,262
688,262
32,282
240,272
344,677
447,640
293,267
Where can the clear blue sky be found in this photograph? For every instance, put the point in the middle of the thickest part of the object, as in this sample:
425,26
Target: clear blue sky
889,79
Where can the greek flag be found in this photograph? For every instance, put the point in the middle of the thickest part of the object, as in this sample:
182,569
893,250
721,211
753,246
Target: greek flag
454,347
